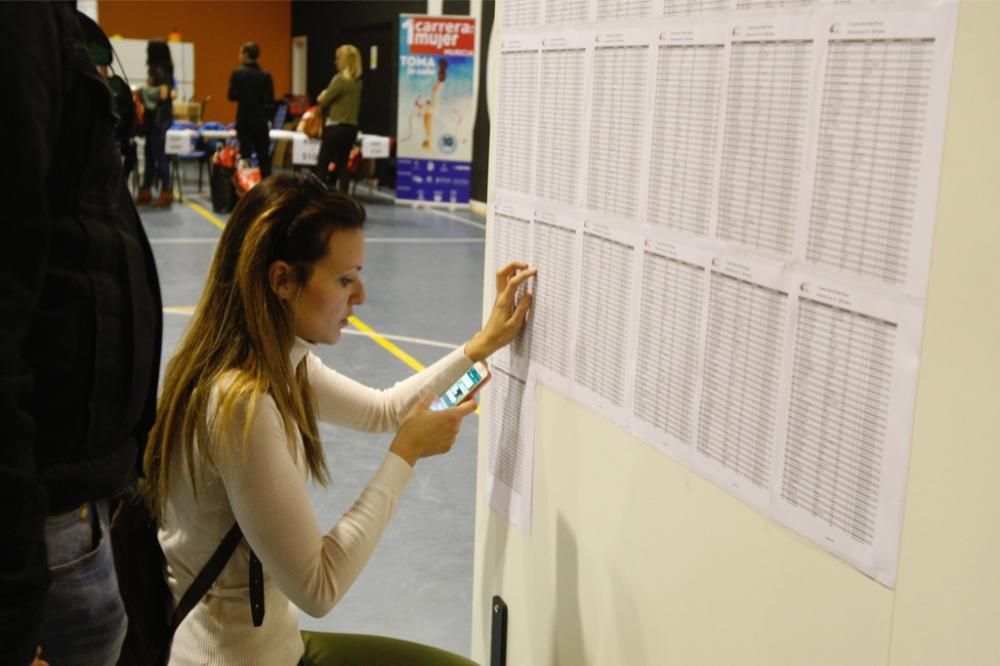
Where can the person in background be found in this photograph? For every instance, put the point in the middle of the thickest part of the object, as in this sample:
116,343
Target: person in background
253,90
341,101
80,330
158,97
236,437
103,56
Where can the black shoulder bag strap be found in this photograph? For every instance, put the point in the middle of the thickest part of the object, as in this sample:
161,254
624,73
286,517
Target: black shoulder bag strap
211,571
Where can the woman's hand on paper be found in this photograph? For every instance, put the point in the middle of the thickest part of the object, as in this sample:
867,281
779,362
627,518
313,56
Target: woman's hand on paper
508,315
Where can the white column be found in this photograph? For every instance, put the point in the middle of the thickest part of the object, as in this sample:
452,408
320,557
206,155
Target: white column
88,7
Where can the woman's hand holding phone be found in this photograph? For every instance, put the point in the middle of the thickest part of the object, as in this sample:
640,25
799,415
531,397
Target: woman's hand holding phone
426,433
507,317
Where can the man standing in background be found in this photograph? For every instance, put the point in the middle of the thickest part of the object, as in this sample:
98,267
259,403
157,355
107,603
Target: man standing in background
252,89
80,333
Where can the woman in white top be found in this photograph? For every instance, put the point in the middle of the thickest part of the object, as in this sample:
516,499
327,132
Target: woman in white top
236,436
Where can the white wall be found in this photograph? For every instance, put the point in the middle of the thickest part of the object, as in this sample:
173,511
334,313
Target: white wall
635,560
132,53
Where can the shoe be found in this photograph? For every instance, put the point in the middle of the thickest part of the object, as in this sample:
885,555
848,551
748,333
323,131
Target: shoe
145,197
165,199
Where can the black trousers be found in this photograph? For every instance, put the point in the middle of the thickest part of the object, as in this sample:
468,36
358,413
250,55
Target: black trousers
157,166
255,140
336,147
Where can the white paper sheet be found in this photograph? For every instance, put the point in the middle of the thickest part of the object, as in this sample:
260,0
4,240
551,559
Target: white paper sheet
678,8
614,10
880,131
550,329
732,204
510,461
604,316
618,110
561,109
738,413
516,114
511,241
765,134
566,11
667,373
839,477
690,74
520,14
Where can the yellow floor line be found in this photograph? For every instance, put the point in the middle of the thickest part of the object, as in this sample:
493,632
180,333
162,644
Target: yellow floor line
358,324
201,210
413,363
386,345
389,347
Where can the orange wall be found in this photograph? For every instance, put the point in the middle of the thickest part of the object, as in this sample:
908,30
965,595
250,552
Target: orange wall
217,29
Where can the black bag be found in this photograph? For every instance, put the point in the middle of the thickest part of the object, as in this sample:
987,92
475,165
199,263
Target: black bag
141,571
221,183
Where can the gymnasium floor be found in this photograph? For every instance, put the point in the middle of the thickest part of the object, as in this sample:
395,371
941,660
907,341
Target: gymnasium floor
423,274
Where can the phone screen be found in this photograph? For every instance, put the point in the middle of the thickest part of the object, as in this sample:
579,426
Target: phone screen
459,390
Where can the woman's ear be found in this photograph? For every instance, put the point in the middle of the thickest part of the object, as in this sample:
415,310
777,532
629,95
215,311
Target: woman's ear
281,277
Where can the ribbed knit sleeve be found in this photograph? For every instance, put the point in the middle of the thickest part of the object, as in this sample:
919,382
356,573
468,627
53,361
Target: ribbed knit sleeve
347,403
268,497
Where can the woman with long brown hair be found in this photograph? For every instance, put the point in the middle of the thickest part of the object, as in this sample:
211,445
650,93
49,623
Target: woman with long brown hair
236,436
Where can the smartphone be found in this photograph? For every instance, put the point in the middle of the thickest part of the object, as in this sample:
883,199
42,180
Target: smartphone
464,388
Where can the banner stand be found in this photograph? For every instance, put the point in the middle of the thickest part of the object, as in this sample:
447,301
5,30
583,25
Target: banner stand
436,113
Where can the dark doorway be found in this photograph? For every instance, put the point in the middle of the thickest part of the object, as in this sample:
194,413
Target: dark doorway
378,95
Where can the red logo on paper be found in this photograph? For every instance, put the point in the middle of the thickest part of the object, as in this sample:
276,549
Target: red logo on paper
434,35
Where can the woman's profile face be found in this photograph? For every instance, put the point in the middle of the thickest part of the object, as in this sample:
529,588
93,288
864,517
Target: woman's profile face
323,304
338,59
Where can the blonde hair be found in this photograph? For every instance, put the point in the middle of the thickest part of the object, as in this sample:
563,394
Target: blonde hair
352,61
241,333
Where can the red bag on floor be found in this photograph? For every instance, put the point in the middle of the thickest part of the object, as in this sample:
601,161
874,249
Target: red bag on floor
246,178
226,156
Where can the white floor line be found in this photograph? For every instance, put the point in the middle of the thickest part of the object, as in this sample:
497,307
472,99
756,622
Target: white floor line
389,197
188,310
477,225
403,338
380,195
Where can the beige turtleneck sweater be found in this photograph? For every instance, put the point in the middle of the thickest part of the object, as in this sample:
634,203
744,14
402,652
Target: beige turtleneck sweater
264,488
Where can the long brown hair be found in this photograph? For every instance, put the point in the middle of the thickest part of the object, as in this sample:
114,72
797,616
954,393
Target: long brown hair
241,334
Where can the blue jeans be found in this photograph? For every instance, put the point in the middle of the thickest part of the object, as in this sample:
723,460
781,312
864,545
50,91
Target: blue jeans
84,620
157,166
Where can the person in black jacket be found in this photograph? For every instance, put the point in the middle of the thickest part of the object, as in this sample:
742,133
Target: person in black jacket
80,334
251,87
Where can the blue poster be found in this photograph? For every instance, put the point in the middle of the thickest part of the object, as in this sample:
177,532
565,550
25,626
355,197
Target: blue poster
436,108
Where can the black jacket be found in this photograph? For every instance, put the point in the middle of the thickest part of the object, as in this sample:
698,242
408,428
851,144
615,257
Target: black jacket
162,116
252,88
80,311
